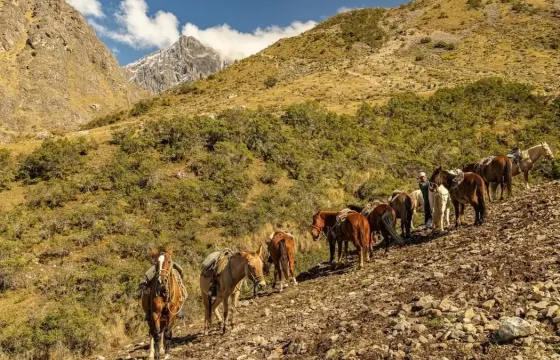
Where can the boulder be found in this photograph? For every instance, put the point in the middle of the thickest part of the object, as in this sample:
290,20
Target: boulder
512,328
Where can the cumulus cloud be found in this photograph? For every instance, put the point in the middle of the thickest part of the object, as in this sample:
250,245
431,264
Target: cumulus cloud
138,29
346,9
87,7
233,44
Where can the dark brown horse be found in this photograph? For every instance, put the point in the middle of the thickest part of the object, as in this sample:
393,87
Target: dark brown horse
163,302
382,220
355,228
497,171
404,208
469,191
282,250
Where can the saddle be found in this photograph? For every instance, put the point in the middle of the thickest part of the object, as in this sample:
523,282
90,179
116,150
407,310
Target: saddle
484,162
458,179
342,215
369,208
212,264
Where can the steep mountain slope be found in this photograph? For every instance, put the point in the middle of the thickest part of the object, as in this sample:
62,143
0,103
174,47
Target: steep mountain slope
439,297
186,60
53,68
370,54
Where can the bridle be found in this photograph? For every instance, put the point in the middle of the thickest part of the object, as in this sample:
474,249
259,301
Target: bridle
165,284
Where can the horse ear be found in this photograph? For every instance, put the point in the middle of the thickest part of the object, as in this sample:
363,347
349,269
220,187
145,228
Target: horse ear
260,251
169,250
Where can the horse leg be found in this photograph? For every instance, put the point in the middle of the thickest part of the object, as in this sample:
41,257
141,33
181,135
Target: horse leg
226,314
332,243
215,305
456,207
161,346
526,179
339,243
276,267
346,250
156,334
502,185
152,350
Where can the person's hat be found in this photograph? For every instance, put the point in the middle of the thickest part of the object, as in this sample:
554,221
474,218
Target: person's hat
422,174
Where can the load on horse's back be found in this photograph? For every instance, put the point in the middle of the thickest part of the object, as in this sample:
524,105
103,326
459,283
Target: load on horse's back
526,159
162,300
282,251
495,170
222,277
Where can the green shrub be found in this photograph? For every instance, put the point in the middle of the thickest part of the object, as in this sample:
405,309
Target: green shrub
362,26
474,4
444,45
425,40
141,107
55,159
7,169
419,57
105,120
52,194
271,174
187,88
270,82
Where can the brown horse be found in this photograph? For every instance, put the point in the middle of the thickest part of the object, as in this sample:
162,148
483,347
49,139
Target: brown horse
498,171
282,250
404,208
224,280
163,302
382,220
469,191
355,227
533,154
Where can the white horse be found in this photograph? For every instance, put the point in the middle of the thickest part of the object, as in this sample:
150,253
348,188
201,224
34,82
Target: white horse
533,155
440,202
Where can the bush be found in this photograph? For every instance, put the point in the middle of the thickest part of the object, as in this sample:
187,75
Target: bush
443,45
7,169
141,108
474,4
52,194
270,82
419,57
104,120
271,174
55,159
425,40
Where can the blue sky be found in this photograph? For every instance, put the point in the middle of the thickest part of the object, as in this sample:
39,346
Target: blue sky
133,28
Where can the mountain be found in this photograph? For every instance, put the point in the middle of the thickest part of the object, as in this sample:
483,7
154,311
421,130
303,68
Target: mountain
371,54
186,60
54,71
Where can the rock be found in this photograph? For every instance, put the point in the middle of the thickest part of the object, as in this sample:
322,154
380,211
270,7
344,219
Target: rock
99,357
469,314
492,325
445,305
556,320
95,107
424,303
551,311
419,328
540,305
331,354
512,328
488,305
267,312
439,275
423,339
469,328
528,341
406,308
402,325
457,334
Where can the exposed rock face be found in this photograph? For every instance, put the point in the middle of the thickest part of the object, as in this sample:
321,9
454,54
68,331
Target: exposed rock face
53,67
186,60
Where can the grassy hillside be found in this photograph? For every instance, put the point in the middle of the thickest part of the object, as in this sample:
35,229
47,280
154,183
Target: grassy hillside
373,54
81,213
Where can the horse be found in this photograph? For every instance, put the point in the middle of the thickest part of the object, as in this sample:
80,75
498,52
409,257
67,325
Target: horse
381,219
404,208
533,155
469,191
225,279
355,227
498,170
163,302
440,203
282,250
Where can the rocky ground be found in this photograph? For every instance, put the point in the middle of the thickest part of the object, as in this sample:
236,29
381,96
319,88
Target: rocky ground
490,292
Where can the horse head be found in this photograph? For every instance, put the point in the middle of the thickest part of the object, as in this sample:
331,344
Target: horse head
164,269
547,151
436,176
317,226
255,266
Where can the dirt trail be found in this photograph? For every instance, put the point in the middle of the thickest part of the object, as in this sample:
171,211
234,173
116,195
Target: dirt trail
437,298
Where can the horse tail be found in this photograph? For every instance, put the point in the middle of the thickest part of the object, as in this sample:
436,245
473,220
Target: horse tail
284,260
508,176
388,223
480,190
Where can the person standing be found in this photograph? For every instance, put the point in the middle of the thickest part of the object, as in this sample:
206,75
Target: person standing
425,189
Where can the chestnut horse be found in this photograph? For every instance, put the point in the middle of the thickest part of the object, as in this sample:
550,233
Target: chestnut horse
282,250
498,171
469,191
382,220
404,208
355,227
163,302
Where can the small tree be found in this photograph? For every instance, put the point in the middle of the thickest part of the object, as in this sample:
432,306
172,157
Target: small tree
270,82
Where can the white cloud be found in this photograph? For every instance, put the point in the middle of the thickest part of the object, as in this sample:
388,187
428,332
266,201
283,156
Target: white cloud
233,44
140,30
87,7
346,9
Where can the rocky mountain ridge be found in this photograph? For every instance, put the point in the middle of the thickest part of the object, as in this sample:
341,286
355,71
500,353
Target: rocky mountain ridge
54,71
186,60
